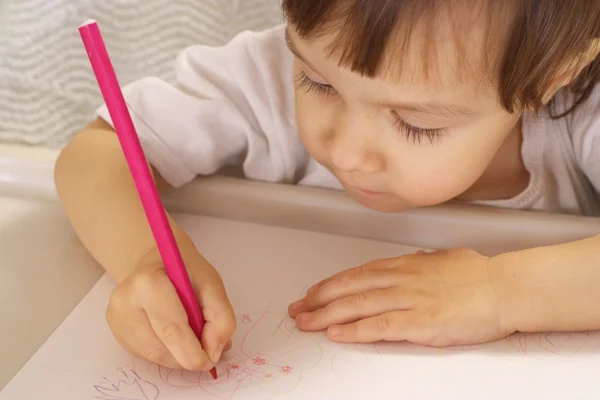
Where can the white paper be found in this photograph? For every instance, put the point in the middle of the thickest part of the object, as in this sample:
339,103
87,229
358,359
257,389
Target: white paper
265,268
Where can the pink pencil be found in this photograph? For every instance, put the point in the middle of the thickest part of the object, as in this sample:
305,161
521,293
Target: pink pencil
136,159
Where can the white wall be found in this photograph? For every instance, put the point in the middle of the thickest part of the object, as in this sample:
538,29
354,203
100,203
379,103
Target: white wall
47,89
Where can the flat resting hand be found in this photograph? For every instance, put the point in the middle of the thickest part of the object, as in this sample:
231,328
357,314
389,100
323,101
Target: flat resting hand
437,299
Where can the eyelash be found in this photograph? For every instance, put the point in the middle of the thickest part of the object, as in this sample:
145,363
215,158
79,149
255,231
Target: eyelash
410,131
417,134
310,86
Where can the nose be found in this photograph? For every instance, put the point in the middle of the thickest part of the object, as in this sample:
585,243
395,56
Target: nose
351,152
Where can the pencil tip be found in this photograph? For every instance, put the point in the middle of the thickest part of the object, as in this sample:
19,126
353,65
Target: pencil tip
213,372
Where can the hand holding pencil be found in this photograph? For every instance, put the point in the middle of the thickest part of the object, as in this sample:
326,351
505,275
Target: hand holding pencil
147,318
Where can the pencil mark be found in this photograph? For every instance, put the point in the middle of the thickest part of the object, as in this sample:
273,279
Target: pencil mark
259,361
286,369
348,362
555,345
286,317
377,350
262,367
129,386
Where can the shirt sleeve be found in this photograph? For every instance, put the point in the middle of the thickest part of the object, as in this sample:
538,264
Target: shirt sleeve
229,105
585,131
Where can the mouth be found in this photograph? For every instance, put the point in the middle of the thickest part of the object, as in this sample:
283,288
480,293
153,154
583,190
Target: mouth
362,191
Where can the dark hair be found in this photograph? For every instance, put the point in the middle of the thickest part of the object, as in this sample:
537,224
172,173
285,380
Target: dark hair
539,35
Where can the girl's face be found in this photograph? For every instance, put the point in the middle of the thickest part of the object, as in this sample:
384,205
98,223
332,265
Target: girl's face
397,143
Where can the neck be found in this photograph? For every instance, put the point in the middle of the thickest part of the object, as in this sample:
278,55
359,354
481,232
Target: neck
506,176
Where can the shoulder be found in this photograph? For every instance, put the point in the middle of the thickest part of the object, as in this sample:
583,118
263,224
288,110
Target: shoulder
585,116
582,127
262,47
582,124
252,66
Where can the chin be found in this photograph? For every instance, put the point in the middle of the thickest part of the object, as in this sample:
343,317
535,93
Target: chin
382,205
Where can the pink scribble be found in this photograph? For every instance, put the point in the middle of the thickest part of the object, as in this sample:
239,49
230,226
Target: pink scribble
259,361
286,369
244,368
232,370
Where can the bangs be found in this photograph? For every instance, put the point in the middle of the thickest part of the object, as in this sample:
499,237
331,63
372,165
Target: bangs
516,45
382,38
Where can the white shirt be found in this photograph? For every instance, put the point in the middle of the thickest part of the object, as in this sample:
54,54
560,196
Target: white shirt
234,105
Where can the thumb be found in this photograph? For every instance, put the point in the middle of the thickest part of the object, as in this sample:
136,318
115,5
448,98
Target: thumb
220,321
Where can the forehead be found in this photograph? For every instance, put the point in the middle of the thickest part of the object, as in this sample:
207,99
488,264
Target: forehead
434,43
439,90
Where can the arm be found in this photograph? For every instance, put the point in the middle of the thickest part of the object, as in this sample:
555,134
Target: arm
144,312
99,196
552,288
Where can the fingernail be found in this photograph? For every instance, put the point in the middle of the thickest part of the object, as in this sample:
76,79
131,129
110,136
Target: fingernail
217,353
335,330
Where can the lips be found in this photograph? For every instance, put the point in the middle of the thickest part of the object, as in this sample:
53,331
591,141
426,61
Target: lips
360,189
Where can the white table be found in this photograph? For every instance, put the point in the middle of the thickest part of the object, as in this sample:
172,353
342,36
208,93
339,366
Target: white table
44,270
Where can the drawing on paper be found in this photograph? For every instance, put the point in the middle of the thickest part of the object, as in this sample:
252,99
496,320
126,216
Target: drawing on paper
350,361
128,386
271,357
555,344
547,345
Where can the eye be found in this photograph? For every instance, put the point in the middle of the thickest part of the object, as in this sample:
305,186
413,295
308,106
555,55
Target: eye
310,86
415,133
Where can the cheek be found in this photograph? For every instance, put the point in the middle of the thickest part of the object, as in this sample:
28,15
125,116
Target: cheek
314,123
429,179
433,174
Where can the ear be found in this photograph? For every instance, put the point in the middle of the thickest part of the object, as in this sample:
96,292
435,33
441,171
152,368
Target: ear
571,71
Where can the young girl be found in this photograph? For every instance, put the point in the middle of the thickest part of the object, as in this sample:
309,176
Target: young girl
401,104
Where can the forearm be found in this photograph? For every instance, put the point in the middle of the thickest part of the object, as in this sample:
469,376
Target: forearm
99,196
553,288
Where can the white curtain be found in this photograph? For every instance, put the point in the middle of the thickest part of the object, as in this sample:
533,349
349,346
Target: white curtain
47,88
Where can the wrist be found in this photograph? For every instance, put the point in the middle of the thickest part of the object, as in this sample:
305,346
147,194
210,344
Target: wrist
152,255
550,288
506,291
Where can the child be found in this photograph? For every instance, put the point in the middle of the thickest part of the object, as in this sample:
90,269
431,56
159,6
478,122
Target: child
401,104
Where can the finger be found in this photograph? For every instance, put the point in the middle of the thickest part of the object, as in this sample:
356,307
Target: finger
354,308
219,316
392,326
352,282
134,332
380,264
170,322
376,264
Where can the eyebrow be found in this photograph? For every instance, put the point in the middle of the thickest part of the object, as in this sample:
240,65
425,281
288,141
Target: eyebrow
440,109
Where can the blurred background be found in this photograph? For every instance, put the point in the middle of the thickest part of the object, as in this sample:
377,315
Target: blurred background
47,88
